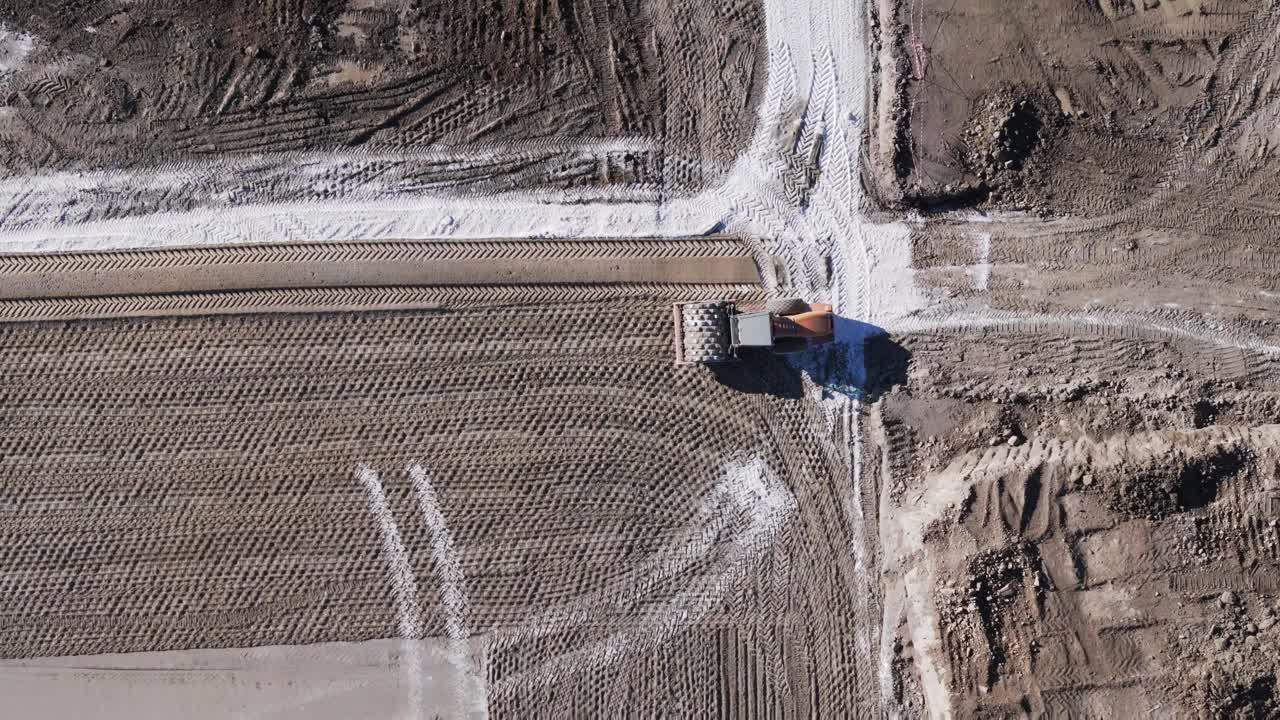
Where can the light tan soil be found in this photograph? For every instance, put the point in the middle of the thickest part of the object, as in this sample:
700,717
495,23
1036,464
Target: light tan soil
327,681
584,263
1080,516
1091,522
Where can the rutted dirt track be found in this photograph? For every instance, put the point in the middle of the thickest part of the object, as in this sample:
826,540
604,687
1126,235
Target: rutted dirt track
666,90
511,465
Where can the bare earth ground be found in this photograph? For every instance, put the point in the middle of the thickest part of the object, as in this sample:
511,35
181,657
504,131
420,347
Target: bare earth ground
1065,506
1081,472
623,536
1096,107
325,681
1092,520
666,90
512,463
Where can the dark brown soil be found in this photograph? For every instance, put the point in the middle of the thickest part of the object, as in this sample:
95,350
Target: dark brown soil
115,84
1175,483
1068,107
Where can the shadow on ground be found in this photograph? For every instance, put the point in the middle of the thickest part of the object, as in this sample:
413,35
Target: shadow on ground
862,362
761,371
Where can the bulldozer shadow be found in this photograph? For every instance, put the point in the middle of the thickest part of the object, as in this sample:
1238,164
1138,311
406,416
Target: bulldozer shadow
861,362
760,372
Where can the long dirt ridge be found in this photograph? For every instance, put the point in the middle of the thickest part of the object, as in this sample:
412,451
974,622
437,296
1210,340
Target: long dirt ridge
43,283
314,300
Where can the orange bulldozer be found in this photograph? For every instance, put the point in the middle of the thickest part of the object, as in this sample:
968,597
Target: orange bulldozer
714,331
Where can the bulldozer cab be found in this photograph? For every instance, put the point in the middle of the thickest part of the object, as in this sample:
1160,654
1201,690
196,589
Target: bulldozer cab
754,329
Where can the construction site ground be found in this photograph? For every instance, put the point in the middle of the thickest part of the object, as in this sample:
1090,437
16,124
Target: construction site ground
204,482
1081,472
338,354
465,96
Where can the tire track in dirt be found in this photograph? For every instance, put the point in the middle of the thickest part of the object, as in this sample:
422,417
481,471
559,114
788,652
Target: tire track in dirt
746,503
812,242
575,480
403,583
387,77
967,493
1120,324
449,571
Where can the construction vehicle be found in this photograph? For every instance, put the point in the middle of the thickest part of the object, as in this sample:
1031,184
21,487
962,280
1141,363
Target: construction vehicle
715,331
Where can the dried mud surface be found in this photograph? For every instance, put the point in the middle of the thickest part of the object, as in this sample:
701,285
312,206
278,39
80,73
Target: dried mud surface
666,89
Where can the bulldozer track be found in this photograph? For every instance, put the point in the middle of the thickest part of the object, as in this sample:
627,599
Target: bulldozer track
526,414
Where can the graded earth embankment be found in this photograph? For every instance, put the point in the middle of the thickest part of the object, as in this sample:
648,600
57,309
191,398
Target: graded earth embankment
693,261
